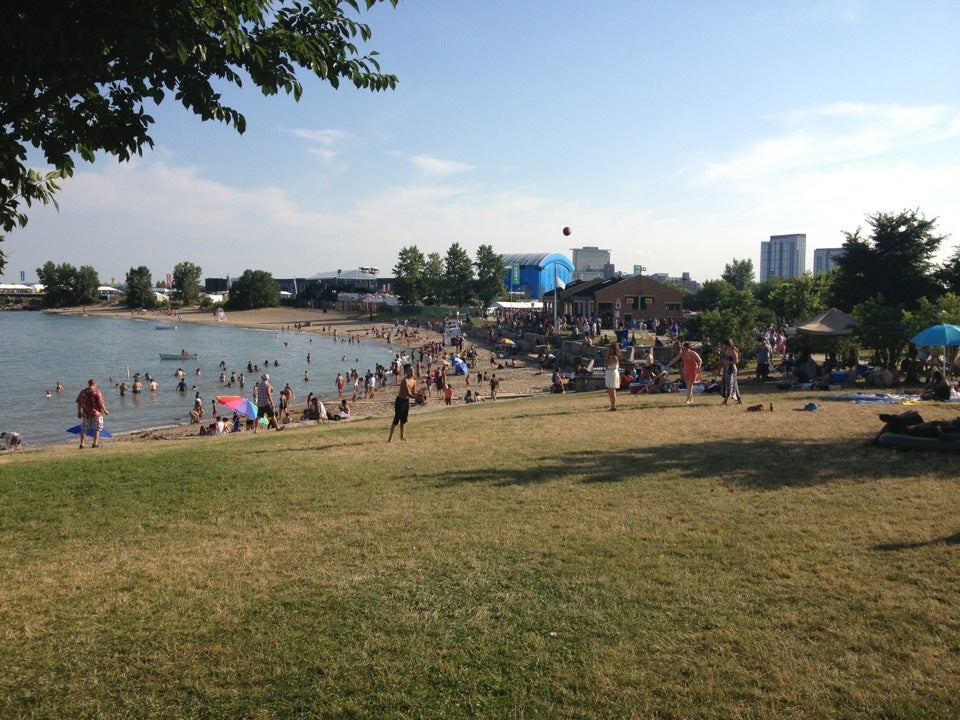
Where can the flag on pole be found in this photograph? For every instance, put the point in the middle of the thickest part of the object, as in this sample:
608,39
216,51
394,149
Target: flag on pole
560,284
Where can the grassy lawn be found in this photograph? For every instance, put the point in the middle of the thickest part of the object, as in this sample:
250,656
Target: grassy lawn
543,558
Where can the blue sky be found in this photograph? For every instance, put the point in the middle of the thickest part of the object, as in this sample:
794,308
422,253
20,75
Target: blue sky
678,135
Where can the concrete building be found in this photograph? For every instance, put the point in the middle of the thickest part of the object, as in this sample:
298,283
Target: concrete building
783,256
824,259
684,281
590,263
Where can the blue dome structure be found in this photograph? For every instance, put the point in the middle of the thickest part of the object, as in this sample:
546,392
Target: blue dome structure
536,273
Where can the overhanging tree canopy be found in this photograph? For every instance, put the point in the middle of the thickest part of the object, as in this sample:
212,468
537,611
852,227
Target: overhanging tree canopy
75,75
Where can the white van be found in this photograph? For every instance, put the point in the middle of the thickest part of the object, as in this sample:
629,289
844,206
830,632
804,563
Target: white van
452,329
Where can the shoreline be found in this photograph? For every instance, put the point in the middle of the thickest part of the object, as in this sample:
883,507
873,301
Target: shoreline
525,380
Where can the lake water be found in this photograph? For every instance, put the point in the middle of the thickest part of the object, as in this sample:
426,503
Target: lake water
38,349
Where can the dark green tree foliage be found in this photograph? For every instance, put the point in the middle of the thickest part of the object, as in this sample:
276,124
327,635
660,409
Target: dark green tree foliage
433,279
739,273
254,289
67,286
881,329
76,76
408,274
895,263
458,277
140,292
729,313
489,283
949,274
186,281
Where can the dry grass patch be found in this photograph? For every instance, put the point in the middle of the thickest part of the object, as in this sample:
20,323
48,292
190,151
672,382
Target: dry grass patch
538,558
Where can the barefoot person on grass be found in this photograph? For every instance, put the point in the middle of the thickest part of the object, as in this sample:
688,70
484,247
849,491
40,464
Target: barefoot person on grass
90,410
690,364
401,406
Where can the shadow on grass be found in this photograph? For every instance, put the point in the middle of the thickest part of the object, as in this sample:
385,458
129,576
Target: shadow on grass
760,464
894,547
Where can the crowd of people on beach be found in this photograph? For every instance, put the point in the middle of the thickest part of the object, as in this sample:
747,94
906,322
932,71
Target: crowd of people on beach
431,365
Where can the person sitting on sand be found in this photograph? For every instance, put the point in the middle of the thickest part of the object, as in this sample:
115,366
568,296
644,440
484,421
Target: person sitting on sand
13,440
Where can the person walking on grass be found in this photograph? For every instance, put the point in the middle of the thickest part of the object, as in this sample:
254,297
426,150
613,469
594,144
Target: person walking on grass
690,364
730,358
401,406
90,410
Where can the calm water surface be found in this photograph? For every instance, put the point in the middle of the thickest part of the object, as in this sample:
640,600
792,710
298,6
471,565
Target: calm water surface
37,349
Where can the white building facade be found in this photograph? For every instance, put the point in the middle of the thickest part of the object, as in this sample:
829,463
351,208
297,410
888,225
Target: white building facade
783,256
590,263
825,259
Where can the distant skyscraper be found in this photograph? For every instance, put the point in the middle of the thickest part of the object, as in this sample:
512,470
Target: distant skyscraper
825,259
783,256
590,263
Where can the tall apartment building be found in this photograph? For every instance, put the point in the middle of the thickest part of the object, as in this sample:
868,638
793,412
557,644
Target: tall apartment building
590,263
783,256
824,259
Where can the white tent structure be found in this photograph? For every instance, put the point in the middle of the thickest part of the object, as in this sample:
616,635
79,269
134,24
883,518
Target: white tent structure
831,323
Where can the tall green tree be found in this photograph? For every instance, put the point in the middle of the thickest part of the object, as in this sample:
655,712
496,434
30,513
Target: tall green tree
949,274
77,78
727,313
67,286
881,328
945,310
140,292
458,277
408,275
186,281
739,273
795,299
254,289
489,284
433,279
895,262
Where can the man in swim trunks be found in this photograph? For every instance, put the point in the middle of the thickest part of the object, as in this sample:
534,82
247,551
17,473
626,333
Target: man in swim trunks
401,406
90,410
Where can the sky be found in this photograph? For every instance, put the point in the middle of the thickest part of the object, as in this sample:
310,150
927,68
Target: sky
678,135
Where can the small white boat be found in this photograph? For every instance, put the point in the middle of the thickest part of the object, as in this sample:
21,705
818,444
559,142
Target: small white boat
184,355
166,326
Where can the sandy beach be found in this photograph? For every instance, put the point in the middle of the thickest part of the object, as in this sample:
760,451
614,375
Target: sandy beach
515,382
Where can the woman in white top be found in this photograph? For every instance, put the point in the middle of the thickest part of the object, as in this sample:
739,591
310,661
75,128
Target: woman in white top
612,375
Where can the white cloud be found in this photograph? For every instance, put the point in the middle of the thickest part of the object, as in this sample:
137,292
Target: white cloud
429,165
320,137
831,136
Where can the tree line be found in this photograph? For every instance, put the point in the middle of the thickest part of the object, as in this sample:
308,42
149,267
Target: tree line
69,286
886,277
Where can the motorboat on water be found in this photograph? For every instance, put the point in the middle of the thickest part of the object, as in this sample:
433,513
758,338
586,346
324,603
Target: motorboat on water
182,355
